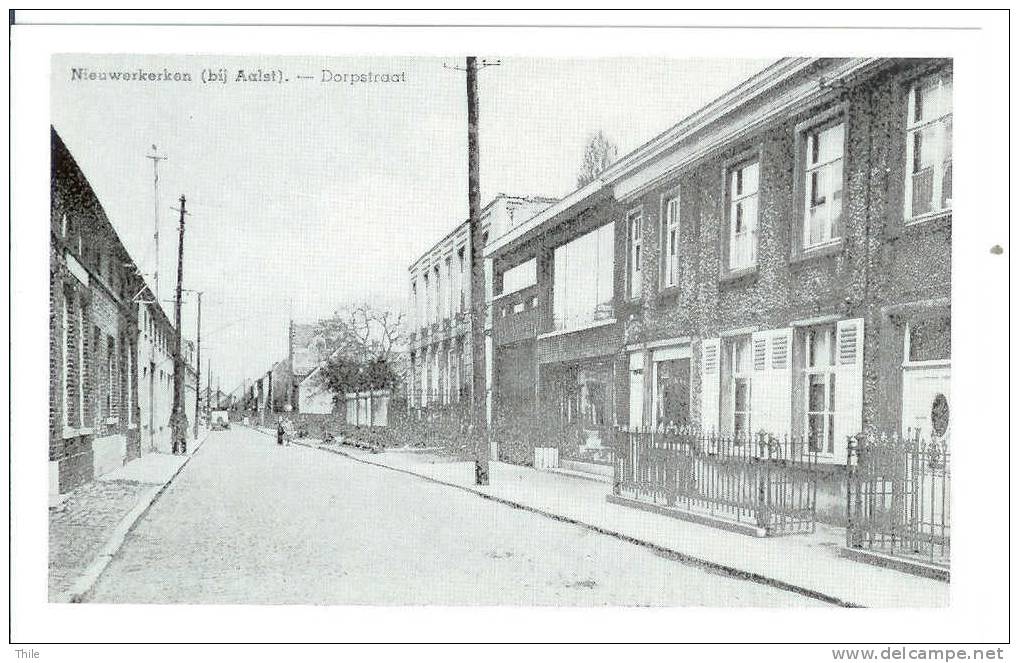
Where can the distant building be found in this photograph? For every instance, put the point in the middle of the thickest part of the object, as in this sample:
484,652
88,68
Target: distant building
156,338
439,376
313,397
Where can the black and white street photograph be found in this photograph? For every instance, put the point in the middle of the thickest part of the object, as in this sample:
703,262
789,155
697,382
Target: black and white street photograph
366,318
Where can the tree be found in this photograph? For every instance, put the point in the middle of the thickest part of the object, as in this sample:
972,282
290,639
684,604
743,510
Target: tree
599,154
364,349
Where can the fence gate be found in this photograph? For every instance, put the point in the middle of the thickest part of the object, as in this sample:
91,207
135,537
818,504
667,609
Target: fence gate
899,497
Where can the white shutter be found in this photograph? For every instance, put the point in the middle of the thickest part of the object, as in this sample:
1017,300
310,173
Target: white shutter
771,384
848,382
780,384
760,383
710,375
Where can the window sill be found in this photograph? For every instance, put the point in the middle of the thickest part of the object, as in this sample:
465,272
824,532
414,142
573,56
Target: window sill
930,216
928,363
75,432
832,248
736,275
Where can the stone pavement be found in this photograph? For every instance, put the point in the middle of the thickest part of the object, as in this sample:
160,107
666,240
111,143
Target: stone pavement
810,564
88,525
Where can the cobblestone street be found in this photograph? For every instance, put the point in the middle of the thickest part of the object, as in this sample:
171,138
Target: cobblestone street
249,522
80,526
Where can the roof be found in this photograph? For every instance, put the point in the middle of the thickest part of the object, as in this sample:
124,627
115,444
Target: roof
483,214
661,156
62,152
306,348
548,217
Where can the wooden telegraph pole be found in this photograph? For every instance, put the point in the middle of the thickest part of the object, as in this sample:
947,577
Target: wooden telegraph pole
479,390
178,418
198,365
479,386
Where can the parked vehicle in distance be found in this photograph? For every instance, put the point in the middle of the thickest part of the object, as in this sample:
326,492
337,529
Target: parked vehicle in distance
220,420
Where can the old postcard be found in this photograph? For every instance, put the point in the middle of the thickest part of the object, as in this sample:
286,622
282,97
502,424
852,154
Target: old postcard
668,330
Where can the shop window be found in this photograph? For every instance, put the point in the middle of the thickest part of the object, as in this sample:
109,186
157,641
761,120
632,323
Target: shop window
522,276
582,280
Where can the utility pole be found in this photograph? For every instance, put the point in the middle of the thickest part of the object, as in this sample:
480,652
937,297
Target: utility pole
478,392
155,209
152,342
208,389
178,418
198,364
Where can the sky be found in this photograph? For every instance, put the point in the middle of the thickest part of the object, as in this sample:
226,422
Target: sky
305,195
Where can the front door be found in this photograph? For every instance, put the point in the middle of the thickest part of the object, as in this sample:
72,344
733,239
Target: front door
926,402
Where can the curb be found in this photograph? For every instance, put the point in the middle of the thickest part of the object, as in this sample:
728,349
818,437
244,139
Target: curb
83,586
668,553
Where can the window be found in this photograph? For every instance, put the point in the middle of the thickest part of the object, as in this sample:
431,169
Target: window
522,276
743,181
424,380
426,317
437,275
436,378
450,371
63,225
633,237
415,305
582,279
460,257
111,376
447,303
129,366
670,243
819,381
822,216
740,362
672,391
929,147
65,382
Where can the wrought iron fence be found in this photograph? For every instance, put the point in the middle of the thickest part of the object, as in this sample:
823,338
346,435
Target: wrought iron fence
764,481
899,496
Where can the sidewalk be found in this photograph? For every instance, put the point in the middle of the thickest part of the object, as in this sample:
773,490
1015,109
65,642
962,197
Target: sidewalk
809,564
88,527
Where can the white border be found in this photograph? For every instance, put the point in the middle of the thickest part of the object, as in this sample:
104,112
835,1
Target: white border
980,600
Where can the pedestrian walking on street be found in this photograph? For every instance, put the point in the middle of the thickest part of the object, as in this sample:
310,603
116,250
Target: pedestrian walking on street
280,433
288,431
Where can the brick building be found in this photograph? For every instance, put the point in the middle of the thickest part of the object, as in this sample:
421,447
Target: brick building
782,262
440,368
111,343
94,412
